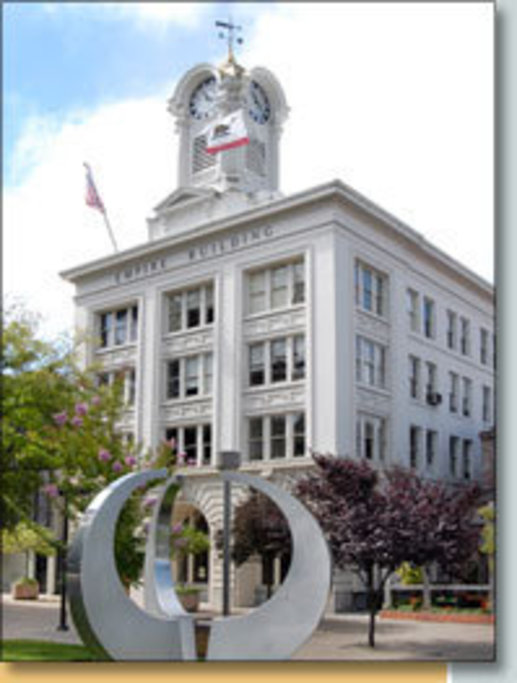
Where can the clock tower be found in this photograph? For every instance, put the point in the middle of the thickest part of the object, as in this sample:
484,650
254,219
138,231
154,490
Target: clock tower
214,185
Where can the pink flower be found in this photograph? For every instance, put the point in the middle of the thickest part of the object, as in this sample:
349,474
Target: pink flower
191,462
130,460
95,400
149,502
51,490
76,421
177,528
60,418
81,408
104,455
117,466
181,458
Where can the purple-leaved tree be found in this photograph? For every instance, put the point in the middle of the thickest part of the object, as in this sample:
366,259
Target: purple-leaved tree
375,522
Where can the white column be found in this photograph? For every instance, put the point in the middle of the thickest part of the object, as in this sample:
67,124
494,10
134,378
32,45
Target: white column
150,367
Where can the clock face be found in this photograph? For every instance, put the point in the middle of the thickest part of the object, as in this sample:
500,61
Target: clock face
259,107
202,101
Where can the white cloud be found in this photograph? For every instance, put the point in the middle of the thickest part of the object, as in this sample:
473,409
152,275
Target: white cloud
396,101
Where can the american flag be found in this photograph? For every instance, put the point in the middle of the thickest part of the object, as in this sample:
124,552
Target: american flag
92,197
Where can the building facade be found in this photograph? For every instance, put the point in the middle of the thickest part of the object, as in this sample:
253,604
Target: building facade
277,326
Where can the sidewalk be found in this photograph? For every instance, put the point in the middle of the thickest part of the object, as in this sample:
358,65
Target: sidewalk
338,637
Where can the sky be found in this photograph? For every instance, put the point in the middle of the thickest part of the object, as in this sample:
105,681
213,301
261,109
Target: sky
394,99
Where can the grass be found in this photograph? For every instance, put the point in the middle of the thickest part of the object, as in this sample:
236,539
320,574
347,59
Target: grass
43,651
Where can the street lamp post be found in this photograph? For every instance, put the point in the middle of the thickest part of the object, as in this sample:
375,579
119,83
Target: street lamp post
63,626
228,460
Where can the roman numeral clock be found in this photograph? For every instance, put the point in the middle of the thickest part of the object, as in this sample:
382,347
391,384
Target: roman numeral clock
206,95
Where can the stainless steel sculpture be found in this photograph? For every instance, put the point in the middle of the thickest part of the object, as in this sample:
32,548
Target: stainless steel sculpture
114,627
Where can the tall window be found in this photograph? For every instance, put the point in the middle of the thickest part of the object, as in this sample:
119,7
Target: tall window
208,373
465,336
370,362
487,404
453,392
298,434
276,287
257,375
192,376
483,346
278,436
278,360
467,459
370,437
452,330
207,444
370,289
256,438
188,376
118,327
414,377
431,441
298,369
454,445
430,387
190,308
190,443
467,397
173,379
414,446
429,310
413,310
130,386
195,441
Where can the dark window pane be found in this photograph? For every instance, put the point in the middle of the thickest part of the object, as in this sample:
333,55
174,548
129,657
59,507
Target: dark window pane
210,311
190,443
278,441
278,361
256,444
257,370
121,327
207,444
193,308
173,379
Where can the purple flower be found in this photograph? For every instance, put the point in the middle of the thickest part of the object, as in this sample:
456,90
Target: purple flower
95,400
104,455
60,418
130,460
181,458
81,408
51,490
117,466
191,462
145,527
149,502
177,528
76,421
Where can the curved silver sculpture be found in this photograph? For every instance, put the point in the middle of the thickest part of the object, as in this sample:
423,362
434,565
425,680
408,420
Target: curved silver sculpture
281,625
114,627
109,623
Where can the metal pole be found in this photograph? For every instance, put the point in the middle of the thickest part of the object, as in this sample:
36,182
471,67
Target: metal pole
110,231
63,626
226,547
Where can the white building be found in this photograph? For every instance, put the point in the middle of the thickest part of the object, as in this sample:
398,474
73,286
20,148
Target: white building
275,325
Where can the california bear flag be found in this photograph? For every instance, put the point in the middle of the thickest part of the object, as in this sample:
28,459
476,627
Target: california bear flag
227,133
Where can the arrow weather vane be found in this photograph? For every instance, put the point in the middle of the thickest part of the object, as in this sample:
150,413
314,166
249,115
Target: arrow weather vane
230,36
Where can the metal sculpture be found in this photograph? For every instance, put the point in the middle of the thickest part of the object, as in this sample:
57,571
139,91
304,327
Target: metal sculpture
115,627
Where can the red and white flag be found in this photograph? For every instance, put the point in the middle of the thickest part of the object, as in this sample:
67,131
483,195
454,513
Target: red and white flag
226,133
92,197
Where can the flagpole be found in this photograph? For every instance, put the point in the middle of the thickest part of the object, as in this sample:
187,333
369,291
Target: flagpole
110,231
93,199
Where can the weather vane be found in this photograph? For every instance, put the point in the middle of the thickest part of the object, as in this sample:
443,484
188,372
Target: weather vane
230,35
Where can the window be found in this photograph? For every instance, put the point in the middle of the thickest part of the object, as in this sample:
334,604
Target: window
278,436
414,446
190,444
276,287
454,444
483,346
413,310
126,381
298,370
184,376
279,287
430,387
257,374
452,330
192,376
487,404
190,308
130,386
453,392
370,437
298,434
278,361
467,459
467,397
431,440
464,336
370,362
298,282
429,318
414,377
370,289
256,438
207,444
173,379
118,327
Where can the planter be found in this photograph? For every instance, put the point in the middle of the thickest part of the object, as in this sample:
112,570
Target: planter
25,590
189,599
454,617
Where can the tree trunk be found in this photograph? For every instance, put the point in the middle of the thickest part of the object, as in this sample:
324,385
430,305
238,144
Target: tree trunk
372,606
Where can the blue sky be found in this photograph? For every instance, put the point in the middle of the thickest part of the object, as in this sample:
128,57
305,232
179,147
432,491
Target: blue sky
394,99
